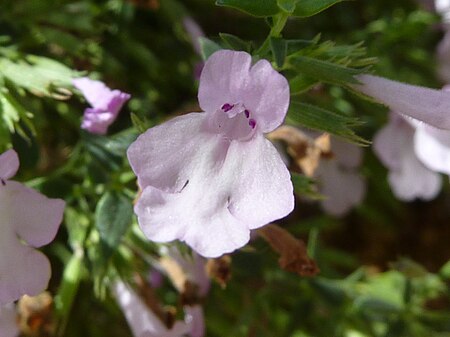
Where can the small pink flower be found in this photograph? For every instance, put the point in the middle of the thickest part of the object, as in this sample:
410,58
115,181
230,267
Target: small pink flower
106,104
430,106
142,321
339,179
8,321
209,178
29,220
408,177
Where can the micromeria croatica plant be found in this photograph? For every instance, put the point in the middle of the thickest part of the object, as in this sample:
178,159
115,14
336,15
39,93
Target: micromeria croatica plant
241,183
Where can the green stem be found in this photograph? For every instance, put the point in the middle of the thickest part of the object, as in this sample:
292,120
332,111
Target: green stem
279,23
313,242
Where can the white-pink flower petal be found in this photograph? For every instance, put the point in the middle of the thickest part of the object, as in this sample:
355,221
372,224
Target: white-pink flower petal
9,164
216,190
432,147
28,219
8,321
228,79
427,105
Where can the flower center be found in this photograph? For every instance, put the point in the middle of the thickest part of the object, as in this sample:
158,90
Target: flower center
233,121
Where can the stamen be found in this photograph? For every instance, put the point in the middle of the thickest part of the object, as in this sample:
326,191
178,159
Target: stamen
227,107
252,123
247,113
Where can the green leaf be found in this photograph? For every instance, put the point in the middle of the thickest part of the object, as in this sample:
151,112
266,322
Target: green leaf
279,50
208,47
235,42
445,271
113,215
298,44
300,84
323,120
307,8
305,186
253,7
325,71
287,6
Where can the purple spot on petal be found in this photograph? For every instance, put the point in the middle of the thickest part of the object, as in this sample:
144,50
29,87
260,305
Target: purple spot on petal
227,107
247,113
252,123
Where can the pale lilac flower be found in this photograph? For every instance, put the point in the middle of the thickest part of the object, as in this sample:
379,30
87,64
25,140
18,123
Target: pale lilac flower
8,321
209,178
29,220
339,179
106,104
408,177
142,321
424,104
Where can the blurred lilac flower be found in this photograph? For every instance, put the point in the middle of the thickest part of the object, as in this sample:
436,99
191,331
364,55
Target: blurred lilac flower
424,104
340,182
443,8
194,268
194,31
106,104
408,177
443,58
28,219
195,318
209,178
142,321
8,321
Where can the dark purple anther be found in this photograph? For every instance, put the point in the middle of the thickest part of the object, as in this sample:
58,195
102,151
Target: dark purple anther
247,113
252,123
227,107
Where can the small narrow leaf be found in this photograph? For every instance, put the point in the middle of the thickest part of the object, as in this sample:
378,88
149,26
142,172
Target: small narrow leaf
235,42
208,47
320,119
279,49
307,8
253,7
305,186
300,84
325,71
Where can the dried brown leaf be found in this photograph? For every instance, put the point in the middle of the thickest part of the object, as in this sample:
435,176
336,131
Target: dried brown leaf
304,150
292,251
